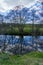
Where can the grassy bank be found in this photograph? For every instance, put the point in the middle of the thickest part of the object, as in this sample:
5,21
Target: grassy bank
32,58
18,29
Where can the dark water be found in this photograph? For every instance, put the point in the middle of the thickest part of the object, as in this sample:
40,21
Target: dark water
16,39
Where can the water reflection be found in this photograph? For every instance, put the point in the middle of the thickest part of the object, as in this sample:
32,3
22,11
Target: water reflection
11,39
18,44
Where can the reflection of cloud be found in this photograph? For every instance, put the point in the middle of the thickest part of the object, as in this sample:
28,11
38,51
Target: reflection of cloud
7,4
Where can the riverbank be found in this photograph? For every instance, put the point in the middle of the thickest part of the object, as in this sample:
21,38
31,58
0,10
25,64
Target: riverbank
32,58
21,29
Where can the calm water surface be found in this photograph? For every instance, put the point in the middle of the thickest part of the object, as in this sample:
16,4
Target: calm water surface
16,39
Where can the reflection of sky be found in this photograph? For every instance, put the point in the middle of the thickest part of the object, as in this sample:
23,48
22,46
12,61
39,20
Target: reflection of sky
41,37
8,4
8,39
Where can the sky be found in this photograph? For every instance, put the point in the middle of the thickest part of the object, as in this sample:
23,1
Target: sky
9,4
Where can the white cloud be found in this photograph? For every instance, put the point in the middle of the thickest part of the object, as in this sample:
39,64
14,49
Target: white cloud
3,6
8,4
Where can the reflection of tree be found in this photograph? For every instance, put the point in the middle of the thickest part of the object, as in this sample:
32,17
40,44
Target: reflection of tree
4,43
38,26
21,23
35,29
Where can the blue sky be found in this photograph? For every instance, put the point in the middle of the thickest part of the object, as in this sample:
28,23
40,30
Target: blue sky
8,4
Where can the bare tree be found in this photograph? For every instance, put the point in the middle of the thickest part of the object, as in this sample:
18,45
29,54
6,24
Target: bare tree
21,23
35,30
